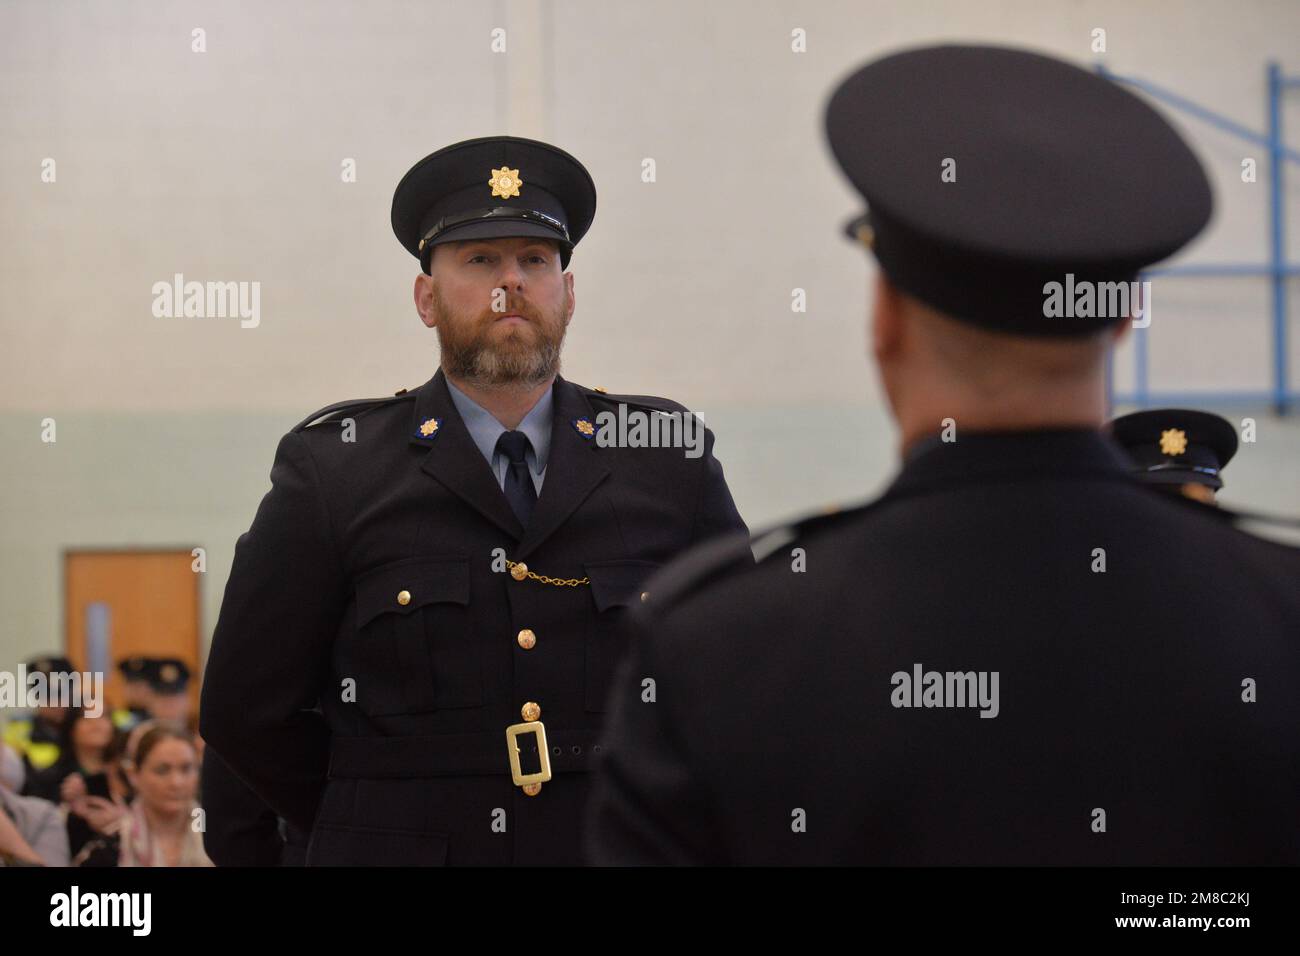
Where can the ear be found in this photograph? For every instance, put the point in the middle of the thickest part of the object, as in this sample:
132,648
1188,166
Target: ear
886,318
424,300
568,288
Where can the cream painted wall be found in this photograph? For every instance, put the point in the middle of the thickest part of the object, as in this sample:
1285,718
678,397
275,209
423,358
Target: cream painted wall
226,165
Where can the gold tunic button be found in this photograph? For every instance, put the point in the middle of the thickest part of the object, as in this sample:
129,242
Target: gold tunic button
645,595
532,789
527,639
403,598
530,711
519,571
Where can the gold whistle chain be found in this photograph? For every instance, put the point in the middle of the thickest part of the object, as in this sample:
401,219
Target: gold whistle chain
523,572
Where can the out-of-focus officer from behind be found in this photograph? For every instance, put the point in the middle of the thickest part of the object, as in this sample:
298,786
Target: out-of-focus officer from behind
1019,654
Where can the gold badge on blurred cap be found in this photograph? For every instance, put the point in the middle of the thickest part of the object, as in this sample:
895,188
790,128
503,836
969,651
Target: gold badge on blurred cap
1173,441
505,182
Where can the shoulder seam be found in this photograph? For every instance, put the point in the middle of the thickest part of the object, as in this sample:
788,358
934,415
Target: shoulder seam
649,401
350,403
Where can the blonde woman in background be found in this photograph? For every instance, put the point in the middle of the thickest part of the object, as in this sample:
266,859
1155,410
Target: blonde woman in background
161,829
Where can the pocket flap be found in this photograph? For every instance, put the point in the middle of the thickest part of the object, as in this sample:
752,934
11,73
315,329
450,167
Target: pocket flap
619,583
406,586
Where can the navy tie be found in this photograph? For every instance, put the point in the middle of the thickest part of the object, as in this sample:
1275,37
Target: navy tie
519,483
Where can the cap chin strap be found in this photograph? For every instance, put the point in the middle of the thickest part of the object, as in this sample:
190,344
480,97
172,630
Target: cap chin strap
1181,466
494,212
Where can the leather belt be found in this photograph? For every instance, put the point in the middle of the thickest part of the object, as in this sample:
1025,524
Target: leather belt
455,755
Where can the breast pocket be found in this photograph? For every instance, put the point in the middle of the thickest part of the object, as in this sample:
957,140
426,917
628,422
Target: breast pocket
616,587
415,649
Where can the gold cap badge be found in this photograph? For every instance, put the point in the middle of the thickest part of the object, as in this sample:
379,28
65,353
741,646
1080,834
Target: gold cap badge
1173,441
505,182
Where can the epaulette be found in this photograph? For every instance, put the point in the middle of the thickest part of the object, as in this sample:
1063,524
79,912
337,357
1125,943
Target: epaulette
1234,515
645,401
1283,530
737,552
357,403
696,568
773,539
1260,517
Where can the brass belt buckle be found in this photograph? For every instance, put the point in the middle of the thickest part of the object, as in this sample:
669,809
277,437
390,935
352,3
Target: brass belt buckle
544,752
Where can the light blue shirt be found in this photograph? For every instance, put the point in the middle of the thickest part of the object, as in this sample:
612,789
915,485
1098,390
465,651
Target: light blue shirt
486,430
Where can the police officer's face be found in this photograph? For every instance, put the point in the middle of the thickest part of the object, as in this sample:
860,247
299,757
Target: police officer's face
1198,492
135,693
173,707
500,308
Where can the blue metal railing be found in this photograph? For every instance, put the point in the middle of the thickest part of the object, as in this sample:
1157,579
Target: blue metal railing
1277,269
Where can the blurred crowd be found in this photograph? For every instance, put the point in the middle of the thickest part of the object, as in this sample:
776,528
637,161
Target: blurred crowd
83,786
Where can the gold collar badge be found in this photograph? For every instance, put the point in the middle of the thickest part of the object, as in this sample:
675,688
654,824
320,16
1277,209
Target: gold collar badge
505,182
429,429
1173,441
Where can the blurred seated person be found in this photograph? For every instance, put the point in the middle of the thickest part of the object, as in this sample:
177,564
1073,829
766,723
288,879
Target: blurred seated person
162,828
84,743
31,829
94,790
105,816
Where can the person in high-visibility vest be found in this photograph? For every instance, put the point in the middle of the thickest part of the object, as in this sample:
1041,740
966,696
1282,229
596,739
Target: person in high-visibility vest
38,735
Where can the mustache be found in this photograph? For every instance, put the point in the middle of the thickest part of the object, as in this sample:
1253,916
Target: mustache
514,307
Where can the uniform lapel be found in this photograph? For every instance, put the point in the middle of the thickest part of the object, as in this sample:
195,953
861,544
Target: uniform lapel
455,460
573,467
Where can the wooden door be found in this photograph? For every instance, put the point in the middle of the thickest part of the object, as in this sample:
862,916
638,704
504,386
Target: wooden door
121,603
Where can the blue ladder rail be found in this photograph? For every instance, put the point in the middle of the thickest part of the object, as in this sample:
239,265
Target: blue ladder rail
1277,269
